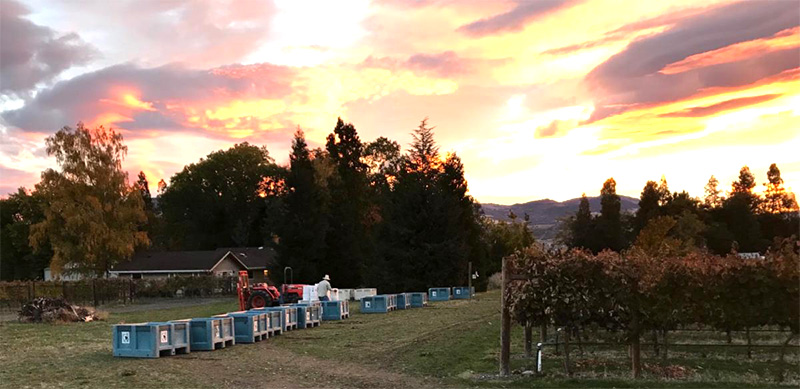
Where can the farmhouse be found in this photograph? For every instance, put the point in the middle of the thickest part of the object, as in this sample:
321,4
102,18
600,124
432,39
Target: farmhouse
220,262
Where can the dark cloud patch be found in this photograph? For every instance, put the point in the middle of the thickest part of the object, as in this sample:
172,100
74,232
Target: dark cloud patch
31,54
86,96
631,78
515,20
727,105
556,127
444,64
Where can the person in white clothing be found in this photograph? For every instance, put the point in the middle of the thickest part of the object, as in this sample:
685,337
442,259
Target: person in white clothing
324,289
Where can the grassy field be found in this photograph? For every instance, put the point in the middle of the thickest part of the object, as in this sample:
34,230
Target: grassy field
447,344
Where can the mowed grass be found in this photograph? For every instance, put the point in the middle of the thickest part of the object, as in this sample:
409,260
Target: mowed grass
456,341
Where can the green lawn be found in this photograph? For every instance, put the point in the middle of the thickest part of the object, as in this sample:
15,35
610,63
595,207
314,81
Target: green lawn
452,343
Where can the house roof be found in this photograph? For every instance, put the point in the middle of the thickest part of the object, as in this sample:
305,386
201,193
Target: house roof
254,258
251,258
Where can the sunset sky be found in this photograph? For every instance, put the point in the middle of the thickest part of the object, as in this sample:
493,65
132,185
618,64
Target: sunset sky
542,99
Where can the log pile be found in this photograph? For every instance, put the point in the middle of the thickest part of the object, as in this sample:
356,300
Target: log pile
48,310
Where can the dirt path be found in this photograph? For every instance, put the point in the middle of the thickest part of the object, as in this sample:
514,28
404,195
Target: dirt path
274,367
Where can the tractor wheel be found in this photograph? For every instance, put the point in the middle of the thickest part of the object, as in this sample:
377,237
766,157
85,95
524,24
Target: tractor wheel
259,299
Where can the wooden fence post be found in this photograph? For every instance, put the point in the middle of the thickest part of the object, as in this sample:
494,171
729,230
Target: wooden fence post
505,325
94,292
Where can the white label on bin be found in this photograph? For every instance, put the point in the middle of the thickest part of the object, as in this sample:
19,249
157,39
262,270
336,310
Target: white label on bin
433,293
164,336
288,320
218,330
458,291
255,325
125,337
308,315
367,304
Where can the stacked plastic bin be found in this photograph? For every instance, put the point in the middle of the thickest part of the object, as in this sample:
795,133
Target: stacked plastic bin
438,294
150,340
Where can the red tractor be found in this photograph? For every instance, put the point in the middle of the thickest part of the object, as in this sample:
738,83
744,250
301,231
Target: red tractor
263,295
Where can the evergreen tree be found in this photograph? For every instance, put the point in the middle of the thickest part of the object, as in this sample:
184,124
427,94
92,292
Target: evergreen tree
739,214
144,189
349,240
649,206
153,226
778,216
776,198
663,191
712,198
431,227
610,219
305,226
582,226
746,182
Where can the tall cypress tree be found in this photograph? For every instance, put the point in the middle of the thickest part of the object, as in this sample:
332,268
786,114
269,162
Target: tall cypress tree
581,228
648,206
610,220
739,213
349,241
431,227
303,232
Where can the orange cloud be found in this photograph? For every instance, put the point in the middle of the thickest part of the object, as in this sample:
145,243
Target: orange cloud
786,39
726,105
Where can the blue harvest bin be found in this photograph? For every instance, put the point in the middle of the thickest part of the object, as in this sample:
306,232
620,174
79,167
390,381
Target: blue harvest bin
149,340
417,299
375,304
346,308
313,311
308,315
403,300
181,340
290,311
288,320
439,294
274,320
211,333
334,310
462,292
249,327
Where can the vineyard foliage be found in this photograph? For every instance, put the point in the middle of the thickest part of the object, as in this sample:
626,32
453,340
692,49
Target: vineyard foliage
636,291
574,287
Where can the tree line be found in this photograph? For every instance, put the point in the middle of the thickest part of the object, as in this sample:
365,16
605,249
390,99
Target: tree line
741,221
364,212
367,213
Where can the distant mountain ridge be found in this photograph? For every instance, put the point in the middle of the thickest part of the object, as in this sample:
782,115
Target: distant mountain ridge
545,213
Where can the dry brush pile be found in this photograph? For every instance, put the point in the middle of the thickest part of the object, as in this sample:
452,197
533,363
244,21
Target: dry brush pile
633,293
49,310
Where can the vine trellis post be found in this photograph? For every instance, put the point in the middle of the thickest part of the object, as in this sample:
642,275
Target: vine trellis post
505,319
